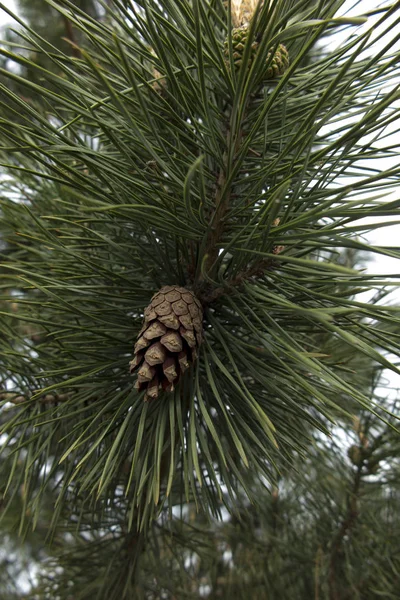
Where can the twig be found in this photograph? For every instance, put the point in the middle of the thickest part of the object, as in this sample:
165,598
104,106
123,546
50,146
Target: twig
71,37
318,558
221,206
221,201
16,398
257,270
135,542
347,524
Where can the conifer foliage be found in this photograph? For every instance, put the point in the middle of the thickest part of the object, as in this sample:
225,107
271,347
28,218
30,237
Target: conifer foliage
225,154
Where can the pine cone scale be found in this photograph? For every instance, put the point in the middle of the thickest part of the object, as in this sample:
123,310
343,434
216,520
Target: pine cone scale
154,330
156,300
141,344
171,321
172,341
186,321
180,308
169,369
156,354
173,296
163,309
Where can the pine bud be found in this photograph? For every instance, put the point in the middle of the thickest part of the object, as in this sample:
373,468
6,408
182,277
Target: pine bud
277,60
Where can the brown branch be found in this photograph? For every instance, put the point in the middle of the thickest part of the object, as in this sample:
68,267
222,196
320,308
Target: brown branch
17,398
135,541
132,548
221,206
257,270
344,529
318,558
70,36
221,201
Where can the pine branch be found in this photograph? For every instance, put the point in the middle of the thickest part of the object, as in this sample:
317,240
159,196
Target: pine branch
258,270
15,398
71,37
345,528
221,202
92,231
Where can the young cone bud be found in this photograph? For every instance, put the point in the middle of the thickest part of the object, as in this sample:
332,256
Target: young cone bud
160,83
277,60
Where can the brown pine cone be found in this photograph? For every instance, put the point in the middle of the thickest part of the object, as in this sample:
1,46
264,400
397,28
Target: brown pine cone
168,341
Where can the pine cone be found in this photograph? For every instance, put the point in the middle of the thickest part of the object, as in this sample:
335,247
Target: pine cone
279,62
168,341
239,38
277,65
355,454
373,467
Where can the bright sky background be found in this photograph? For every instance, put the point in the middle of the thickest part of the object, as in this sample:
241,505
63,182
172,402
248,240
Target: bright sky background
4,18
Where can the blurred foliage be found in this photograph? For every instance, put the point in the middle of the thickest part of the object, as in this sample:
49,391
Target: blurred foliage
329,529
49,24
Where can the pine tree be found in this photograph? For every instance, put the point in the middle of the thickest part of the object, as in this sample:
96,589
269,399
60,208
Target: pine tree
226,153
48,23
